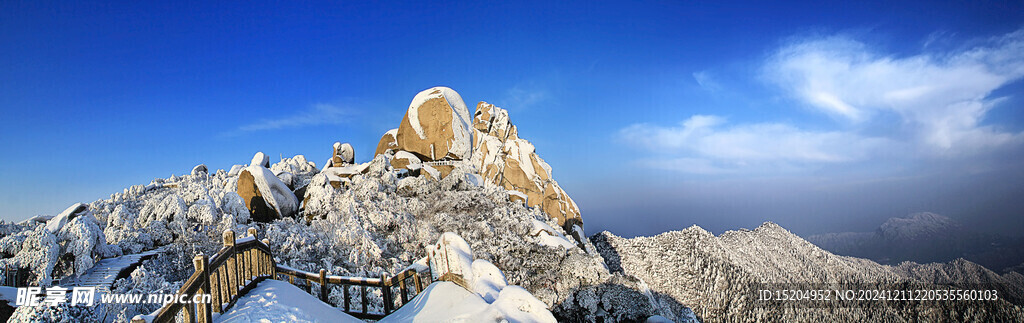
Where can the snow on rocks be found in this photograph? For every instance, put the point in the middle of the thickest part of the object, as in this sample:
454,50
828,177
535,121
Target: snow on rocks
488,280
548,236
235,170
436,126
67,245
343,154
447,302
200,169
451,256
508,161
296,172
36,250
387,142
260,159
405,160
451,259
266,196
42,218
58,222
295,165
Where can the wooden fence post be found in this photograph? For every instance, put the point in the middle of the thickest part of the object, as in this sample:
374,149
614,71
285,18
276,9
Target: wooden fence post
271,270
416,280
229,265
344,289
250,264
215,286
323,285
363,290
402,290
202,264
385,288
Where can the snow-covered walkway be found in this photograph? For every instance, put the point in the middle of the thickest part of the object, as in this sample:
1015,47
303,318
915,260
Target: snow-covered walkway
103,274
278,301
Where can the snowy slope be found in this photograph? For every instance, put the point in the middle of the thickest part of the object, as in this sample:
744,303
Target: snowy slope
279,301
448,302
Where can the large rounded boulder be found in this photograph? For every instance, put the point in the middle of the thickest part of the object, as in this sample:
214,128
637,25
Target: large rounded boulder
436,126
265,195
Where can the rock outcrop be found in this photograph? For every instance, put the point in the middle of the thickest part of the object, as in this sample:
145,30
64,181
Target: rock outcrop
343,155
504,159
435,127
260,159
265,195
437,131
387,142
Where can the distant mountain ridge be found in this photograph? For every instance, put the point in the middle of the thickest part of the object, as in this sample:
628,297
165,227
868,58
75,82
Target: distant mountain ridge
925,237
715,276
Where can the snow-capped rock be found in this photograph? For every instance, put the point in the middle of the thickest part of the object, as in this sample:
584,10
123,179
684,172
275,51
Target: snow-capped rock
287,178
58,222
266,196
436,126
405,160
488,280
453,257
200,169
342,155
296,172
235,170
260,159
387,142
510,162
297,165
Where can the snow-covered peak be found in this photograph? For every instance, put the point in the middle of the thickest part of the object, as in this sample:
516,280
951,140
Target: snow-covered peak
917,226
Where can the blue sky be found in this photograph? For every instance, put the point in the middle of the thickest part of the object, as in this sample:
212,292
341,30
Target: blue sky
819,116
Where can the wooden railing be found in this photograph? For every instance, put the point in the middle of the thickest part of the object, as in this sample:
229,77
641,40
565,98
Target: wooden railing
238,267
242,264
384,283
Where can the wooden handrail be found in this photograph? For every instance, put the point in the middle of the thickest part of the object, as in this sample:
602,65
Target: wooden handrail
236,268
241,264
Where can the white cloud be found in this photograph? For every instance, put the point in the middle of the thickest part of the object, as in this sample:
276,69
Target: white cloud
318,114
712,146
706,81
941,97
523,97
939,101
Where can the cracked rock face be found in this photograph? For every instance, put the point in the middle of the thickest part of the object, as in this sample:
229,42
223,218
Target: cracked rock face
504,159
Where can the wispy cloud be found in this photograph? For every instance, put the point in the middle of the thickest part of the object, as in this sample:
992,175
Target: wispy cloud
938,98
317,114
523,96
710,145
942,97
706,81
